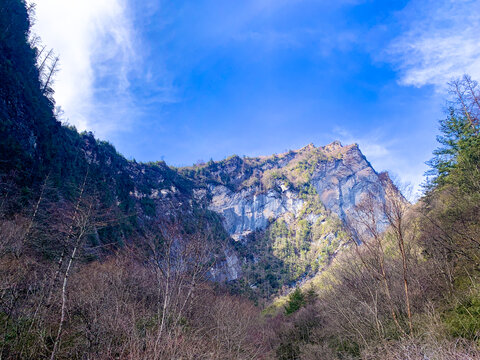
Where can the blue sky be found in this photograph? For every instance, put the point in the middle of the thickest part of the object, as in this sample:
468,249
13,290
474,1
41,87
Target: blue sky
192,80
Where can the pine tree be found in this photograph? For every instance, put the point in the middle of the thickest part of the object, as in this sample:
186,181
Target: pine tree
295,301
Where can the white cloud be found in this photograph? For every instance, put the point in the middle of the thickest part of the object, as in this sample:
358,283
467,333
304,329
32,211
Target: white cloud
440,41
94,39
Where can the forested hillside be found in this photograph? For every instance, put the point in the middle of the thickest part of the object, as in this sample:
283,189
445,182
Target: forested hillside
46,167
289,213
309,254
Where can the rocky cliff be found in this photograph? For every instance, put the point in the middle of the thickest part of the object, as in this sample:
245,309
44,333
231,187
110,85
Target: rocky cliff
274,219
340,175
292,209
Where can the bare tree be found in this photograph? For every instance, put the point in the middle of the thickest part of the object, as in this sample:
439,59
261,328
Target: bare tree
47,65
48,75
84,219
467,99
395,209
180,262
368,215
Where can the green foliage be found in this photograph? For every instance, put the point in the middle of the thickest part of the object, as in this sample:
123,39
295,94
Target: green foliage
148,206
464,320
439,267
457,161
290,249
452,201
288,350
295,301
34,145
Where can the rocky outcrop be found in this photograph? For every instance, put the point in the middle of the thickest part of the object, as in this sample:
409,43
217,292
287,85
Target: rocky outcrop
289,206
249,209
228,269
344,182
302,200
340,175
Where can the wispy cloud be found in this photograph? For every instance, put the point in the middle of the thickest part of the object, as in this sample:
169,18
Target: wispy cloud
96,45
439,41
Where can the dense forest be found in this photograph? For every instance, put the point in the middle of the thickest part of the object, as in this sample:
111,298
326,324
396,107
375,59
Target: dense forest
90,271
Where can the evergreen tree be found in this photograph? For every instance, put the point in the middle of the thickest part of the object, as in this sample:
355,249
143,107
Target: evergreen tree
457,161
295,301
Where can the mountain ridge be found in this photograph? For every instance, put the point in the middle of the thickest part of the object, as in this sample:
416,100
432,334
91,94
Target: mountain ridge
299,192
288,211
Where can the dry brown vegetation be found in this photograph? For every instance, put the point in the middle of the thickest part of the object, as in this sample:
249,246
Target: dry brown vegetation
413,291
410,292
149,300
388,299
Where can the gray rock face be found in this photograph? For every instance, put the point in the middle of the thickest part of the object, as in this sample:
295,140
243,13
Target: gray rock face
251,193
344,182
248,210
227,270
244,212
342,179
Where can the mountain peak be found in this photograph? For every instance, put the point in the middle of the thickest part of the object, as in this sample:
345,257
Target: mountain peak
335,145
307,147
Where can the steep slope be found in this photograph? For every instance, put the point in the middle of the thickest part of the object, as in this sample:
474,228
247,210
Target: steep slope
289,213
37,150
249,192
274,219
